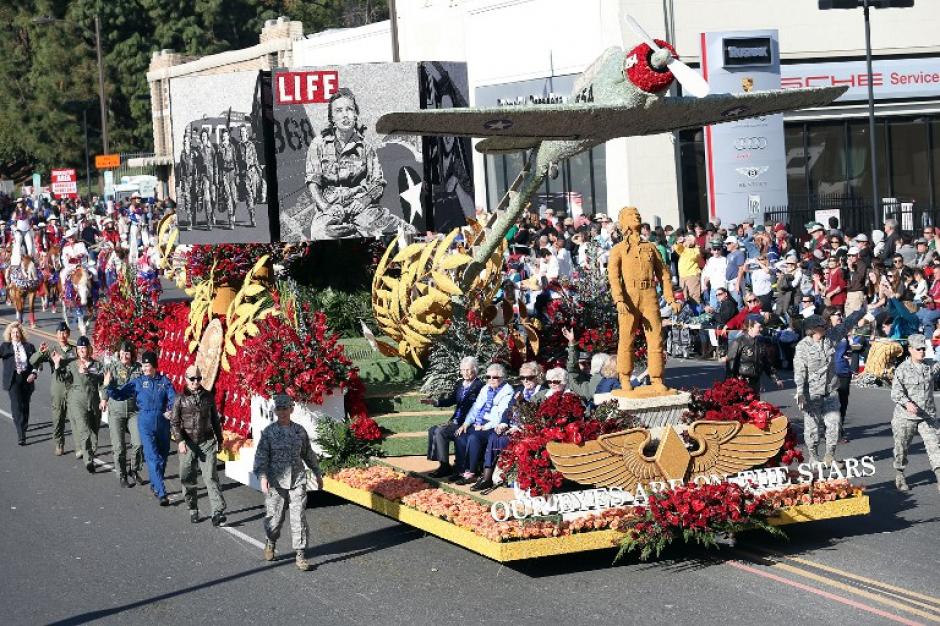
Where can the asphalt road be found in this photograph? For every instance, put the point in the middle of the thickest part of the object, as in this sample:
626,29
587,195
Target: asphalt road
78,549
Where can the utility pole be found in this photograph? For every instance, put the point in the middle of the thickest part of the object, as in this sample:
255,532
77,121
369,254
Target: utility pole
393,22
102,101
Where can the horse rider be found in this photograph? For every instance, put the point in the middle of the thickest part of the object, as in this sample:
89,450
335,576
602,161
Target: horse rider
22,231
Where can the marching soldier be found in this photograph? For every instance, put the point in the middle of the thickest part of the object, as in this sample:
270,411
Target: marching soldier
227,166
58,387
282,451
816,385
122,418
195,425
83,377
250,172
914,412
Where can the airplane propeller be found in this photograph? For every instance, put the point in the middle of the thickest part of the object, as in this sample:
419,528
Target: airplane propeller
690,80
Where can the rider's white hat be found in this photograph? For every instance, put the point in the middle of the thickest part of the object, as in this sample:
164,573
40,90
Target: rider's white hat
71,232
54,217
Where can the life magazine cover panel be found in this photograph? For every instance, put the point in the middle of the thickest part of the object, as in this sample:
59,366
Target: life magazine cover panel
337,178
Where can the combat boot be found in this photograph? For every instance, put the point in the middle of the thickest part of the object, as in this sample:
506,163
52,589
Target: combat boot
830,458
900,482
811,455
269,551
123,480
302,563
137,477
59,449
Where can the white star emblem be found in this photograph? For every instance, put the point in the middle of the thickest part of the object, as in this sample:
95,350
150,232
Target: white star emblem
733,112
412,195
502,124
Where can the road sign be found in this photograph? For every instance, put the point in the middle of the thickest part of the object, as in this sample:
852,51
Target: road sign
64,183
107,161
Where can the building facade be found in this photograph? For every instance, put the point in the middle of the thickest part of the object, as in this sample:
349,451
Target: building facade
530,51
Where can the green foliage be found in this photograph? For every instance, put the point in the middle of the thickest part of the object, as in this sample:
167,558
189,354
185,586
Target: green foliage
341,448
49,71
460,340
344,310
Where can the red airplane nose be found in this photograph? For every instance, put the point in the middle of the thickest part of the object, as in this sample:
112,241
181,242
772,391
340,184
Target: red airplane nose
639,70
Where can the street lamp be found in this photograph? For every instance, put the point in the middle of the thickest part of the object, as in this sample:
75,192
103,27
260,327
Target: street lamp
867,5
46,20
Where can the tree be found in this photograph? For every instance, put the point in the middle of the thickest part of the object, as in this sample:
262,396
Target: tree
49,71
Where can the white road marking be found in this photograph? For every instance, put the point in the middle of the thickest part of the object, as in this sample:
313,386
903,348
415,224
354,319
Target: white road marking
232,531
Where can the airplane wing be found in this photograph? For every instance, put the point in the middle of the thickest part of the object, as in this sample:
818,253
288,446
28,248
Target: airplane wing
601,122
497,145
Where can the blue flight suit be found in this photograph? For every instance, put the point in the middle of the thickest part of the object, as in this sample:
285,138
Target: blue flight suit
155,396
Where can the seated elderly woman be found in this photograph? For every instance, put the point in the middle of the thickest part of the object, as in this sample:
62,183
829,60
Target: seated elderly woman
610,379
490,409
464,394
498,439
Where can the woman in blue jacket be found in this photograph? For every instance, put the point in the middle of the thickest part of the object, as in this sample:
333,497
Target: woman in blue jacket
155,397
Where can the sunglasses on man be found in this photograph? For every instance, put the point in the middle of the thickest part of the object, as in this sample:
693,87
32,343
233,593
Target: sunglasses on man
494,377
194,379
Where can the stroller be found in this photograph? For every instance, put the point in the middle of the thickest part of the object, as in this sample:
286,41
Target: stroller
679,336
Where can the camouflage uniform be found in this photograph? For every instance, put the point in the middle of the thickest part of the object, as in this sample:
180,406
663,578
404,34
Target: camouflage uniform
58,391
122,418
913,382
280,457
815,378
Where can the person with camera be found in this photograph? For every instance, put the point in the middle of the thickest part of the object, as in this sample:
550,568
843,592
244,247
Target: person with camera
748,357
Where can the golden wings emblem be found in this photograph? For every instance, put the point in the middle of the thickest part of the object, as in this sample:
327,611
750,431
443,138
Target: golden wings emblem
619,460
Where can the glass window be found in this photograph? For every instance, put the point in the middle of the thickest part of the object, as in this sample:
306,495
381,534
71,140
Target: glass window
859,159
580,182
599,167
935,159
694,185
909,160
796,161
825,152
494,180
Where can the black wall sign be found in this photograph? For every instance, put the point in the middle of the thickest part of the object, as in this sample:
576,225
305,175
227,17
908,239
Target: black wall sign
749,51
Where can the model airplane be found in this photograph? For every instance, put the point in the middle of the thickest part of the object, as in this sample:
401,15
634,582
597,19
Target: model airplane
619,95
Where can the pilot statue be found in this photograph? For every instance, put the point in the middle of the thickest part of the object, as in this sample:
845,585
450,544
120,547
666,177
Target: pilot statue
633,270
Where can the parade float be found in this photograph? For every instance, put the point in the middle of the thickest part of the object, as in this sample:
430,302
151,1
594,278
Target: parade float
646,468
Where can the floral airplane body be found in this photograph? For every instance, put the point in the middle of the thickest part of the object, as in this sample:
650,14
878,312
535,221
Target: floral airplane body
619,95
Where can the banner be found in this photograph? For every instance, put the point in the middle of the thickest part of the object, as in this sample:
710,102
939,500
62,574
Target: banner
64,183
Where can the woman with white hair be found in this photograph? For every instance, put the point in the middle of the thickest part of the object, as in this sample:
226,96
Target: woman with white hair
531,390
464,394
18,376
491,408
557,381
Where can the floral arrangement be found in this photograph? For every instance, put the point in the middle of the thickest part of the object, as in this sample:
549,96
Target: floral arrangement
348,443
696,513
174,355
642,74
127,315
231,261
294,353
468,513
734,400
700,514
813,493
560,417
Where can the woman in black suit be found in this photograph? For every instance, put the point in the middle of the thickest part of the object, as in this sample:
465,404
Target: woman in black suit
18,375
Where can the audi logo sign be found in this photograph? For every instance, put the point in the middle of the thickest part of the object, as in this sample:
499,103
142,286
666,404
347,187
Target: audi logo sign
750,143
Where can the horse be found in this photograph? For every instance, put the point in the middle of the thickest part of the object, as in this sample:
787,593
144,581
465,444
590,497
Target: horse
23,284
50,267
79,291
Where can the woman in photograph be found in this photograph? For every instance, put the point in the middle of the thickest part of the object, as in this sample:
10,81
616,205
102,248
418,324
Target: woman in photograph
345,178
